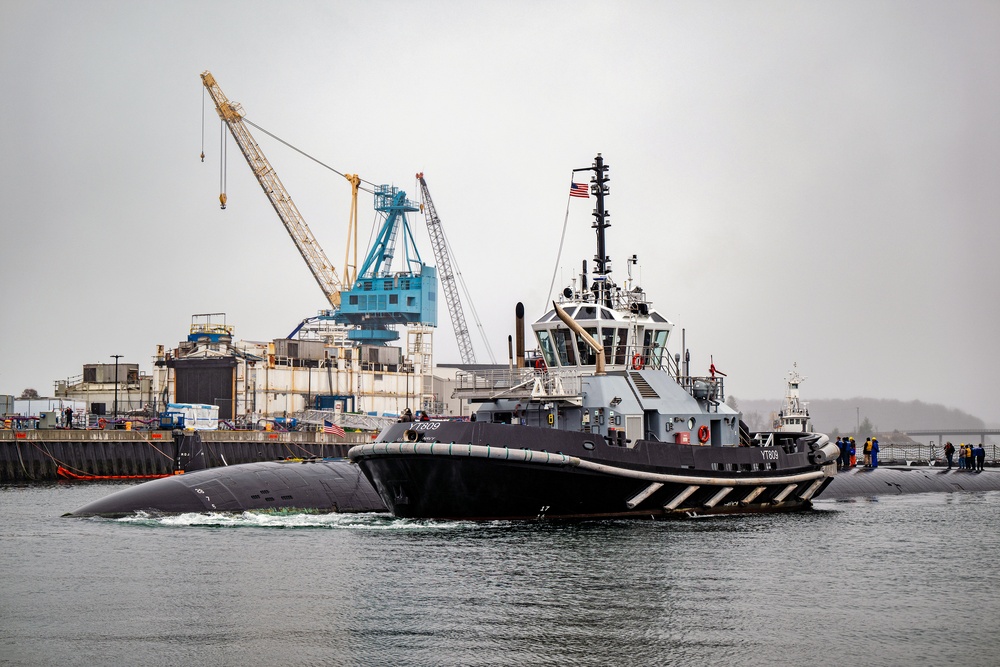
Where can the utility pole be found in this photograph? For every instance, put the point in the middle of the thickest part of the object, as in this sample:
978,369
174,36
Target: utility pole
117,357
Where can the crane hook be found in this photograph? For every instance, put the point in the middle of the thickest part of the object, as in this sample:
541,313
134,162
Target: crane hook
203,156
222,200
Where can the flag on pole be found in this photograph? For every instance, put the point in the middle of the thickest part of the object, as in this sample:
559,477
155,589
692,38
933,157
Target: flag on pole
330,427
579,190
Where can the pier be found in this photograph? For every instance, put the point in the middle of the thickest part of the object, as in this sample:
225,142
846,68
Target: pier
35,455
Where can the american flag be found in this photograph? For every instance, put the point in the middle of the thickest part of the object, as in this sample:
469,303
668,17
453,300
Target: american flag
330,427
579,190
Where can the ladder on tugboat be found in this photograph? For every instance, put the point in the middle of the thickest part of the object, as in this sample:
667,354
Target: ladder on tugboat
640,383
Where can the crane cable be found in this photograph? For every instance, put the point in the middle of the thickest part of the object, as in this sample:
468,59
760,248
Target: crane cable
302,152
203,93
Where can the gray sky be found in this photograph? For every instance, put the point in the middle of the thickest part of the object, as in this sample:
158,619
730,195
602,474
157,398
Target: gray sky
802,181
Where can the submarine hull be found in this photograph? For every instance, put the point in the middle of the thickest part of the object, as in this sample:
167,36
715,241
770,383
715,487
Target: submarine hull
323,485
894,481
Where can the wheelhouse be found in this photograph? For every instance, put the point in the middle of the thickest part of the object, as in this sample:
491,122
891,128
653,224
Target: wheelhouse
629,339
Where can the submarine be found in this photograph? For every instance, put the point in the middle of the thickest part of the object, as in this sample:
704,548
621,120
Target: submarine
900,480
305,485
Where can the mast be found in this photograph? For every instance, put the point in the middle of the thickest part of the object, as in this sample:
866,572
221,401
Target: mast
602,263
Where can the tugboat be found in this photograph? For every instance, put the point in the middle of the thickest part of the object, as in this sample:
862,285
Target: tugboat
794,414
604,424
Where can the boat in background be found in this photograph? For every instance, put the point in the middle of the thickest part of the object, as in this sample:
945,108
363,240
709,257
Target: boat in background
605,424
794,414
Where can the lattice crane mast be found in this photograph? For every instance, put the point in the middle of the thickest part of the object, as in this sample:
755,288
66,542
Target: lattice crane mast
446,275
321,268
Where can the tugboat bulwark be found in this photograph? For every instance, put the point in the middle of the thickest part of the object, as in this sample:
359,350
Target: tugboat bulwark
602,423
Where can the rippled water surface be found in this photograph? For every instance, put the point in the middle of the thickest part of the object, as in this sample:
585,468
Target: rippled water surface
896,581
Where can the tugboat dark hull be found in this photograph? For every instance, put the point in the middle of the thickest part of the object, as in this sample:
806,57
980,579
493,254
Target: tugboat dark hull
430,474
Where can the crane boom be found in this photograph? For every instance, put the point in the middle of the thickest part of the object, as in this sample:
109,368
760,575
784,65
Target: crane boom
321,268
446,275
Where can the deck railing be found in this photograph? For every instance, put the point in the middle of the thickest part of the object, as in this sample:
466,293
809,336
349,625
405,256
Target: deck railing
517,383
908,454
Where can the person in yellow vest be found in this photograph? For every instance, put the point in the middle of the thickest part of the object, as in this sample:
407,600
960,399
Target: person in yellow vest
868,452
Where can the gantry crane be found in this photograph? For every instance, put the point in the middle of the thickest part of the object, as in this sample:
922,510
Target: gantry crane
321,268
446,275
380,297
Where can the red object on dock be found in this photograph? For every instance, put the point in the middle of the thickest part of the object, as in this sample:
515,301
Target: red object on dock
67,474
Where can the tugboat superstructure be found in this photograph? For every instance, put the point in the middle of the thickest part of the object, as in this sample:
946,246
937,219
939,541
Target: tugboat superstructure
794,414
604,422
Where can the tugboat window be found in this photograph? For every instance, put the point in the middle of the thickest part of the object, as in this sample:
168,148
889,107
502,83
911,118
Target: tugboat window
691,423
608,342
587,355
587,444
659,347
545,343
564,347
647,347
622,344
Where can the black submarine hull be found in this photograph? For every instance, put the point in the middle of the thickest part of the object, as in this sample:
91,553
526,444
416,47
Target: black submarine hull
318,485
899,480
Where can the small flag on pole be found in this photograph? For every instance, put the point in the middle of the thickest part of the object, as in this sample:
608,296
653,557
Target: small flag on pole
579,190
330,427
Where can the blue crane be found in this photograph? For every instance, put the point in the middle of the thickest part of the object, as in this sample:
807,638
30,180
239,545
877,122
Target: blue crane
380,297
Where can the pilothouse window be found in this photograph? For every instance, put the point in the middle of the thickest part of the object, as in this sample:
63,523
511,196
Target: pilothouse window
545,343
608,342
659,347
620,349
564,346
587,355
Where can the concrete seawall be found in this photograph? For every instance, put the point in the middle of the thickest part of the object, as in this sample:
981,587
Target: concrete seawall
36,455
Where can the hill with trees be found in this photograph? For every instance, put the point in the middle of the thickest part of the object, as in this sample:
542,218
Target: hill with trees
835,416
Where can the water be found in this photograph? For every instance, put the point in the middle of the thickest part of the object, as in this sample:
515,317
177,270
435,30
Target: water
908,580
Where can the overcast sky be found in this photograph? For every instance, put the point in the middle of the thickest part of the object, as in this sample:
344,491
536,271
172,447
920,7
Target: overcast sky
802,181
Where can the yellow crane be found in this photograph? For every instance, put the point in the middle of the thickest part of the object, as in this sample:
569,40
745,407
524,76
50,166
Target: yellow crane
321,268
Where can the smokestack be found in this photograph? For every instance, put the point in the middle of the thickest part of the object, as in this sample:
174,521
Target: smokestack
519,332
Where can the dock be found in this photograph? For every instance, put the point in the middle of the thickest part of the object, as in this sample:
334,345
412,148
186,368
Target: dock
37,455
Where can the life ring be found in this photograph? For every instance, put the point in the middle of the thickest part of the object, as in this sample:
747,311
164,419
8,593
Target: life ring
637,361
703,434
540,365
101,423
